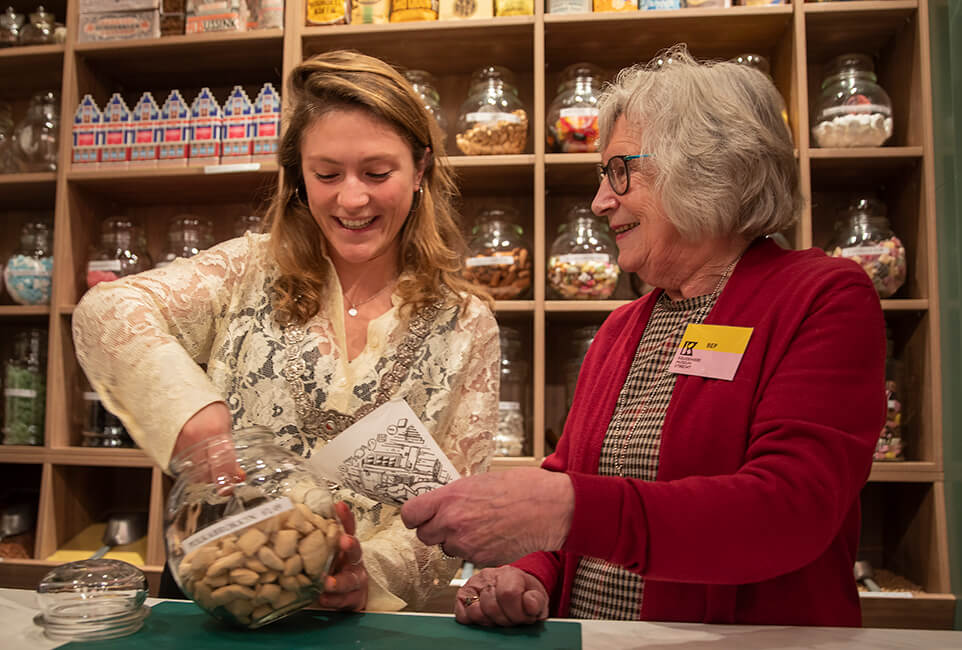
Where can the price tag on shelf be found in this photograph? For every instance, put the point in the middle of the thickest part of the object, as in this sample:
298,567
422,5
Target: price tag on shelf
233,168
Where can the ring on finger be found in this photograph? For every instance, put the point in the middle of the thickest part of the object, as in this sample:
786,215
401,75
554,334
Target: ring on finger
467,601
445,553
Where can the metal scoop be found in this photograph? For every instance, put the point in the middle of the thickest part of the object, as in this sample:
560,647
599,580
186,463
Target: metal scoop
122,528
865,575
16,519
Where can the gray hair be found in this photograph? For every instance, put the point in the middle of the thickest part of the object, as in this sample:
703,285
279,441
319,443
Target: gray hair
722,159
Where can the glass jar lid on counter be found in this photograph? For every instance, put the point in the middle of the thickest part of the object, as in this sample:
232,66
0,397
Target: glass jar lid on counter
29,271
572,125
865,236
426,86
583,262
493,119
122,251
499,258
852,110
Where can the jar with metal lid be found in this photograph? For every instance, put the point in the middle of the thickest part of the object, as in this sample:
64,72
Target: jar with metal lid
581,340
852,110
187,236
583,262
37,134
248,223
101,427
40,29
10,25
28,273
499,259
25,389
510,439
573,115
122,251
865,236
426,87
492,120
255,547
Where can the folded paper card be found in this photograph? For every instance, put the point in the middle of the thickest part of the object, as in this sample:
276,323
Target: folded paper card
388,455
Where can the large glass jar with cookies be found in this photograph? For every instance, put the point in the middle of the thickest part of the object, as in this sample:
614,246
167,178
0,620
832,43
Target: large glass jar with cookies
499,260
256,546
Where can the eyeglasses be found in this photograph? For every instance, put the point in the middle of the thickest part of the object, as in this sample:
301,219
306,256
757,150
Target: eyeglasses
617,172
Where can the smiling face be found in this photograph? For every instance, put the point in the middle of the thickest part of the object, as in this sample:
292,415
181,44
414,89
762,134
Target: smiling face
360,177
648,244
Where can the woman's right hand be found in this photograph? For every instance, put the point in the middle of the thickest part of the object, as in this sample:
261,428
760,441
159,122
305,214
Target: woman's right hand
212,424
502,596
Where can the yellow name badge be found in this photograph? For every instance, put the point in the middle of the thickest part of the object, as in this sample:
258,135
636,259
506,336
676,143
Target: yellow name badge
711,351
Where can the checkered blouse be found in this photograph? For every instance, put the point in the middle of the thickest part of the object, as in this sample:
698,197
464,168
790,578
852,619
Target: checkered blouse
607,591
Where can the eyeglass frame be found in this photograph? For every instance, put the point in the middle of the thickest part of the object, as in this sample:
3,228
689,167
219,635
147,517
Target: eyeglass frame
604,171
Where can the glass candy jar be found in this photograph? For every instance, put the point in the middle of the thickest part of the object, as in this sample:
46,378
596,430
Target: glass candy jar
121,252
890,445
492,120
248,223
36,135
426,87
583,263
10,25
8,156
865,236
500,257
252,549
573,115
40,29
24,389
28,272
852,109
510,438
187,236
101,427
580,342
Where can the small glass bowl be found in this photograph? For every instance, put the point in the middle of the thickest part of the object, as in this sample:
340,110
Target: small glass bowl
92,599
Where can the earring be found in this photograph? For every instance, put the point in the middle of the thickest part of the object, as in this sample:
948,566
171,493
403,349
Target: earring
416,201
301,193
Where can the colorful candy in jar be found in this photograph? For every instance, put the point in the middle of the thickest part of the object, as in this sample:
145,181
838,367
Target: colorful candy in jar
884,262
583,277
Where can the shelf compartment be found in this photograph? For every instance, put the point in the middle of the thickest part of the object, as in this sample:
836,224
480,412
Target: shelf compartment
498,174
21,486
85,495
188,61
28,191
28,69
922,611
852,168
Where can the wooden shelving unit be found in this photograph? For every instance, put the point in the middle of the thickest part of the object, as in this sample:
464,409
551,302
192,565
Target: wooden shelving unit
904,527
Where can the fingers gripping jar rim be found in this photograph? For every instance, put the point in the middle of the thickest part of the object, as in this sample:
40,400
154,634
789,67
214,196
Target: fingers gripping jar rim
257,547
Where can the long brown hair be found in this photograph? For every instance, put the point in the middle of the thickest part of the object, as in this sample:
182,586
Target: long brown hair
432,245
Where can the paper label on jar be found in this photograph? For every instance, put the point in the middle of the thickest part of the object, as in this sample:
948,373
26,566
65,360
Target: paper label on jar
91,396
864,251
104,265
492,260
237,522
509,406
848,109
511,118
584,258
38,272
585,111
20,392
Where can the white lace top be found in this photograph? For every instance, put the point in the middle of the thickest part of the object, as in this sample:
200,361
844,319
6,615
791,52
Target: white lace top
141,341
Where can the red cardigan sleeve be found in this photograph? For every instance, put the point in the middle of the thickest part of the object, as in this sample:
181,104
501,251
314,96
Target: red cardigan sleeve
815,415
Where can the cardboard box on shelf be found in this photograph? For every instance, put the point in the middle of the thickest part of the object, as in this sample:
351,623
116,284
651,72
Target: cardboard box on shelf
267,124
86,130
145,144
237,132
174,131
206,120
117,133
119,25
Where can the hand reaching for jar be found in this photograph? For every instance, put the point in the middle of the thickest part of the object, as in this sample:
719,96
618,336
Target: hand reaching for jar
210,425
346,586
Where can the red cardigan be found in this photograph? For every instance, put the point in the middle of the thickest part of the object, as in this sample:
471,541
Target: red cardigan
754,515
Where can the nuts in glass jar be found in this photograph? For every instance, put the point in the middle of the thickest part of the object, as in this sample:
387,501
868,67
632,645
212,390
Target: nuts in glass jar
499,259
506,134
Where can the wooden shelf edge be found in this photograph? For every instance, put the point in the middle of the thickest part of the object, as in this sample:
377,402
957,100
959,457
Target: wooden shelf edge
905,472
661,14
583,307
94,457
181,41
563,159
25,51
505,160
33,178
930,611
905,304
859,6
24,310
321,31
817,153
514,306
22,454
79,175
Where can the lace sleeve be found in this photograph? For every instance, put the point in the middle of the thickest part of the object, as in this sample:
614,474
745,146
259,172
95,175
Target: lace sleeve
395,558
140,340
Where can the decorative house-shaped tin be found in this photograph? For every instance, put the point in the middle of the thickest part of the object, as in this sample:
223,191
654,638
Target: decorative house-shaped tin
267,124
117,133
206,120
174,131
147,134
86,134
238,131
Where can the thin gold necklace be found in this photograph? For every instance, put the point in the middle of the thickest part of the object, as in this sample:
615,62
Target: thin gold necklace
352,309
657,382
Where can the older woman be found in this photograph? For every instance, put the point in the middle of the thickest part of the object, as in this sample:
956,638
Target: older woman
355,297
723,425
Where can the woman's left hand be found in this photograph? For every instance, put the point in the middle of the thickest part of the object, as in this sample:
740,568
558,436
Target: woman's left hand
495,518
346,586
